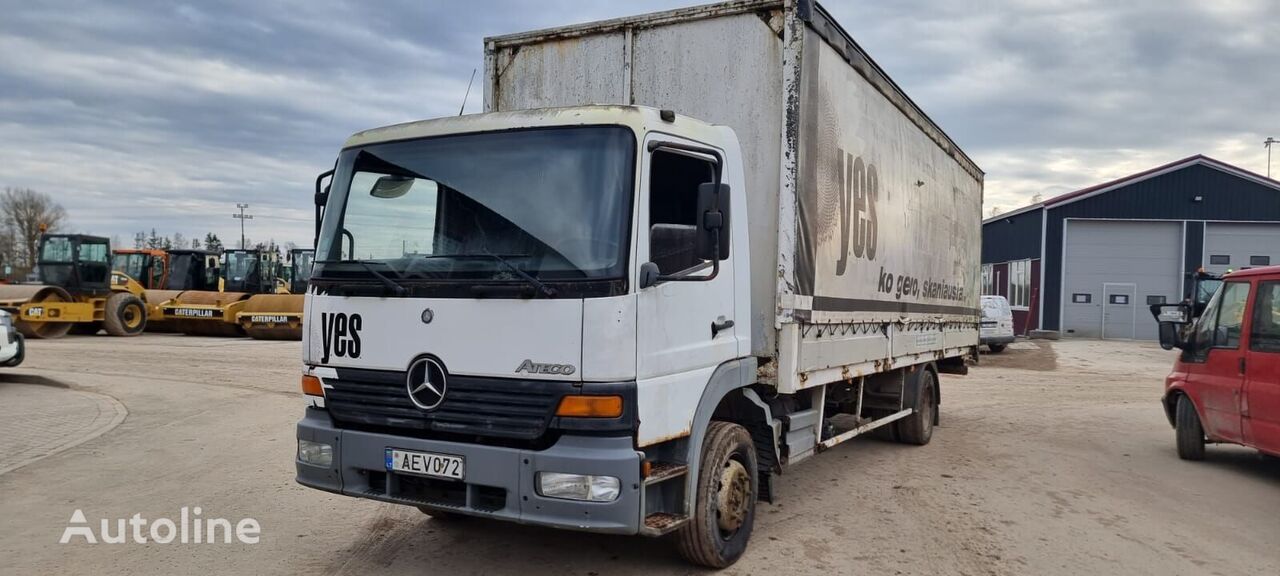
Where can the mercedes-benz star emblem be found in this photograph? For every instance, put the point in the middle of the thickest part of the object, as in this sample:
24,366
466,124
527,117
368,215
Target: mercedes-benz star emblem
428,316
426,383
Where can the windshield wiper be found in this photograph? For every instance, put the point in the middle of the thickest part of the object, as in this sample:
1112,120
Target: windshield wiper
395,287
547,291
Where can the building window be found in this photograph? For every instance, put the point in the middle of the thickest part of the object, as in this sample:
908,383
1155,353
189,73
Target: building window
1220,260
1081,298
988,280
1120,299
1020,284
1154,300
1259,260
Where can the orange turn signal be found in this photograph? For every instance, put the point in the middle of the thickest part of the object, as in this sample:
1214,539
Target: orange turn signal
311,386
590,406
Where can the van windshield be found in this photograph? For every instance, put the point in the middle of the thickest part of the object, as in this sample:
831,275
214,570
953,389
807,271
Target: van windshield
552,204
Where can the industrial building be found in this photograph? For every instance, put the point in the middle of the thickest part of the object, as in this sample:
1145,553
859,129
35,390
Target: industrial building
1088,263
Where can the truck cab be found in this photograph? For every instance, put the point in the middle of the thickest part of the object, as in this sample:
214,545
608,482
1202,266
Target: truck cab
1225,383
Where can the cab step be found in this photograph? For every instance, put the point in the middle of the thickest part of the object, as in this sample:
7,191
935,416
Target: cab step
660,523
663,471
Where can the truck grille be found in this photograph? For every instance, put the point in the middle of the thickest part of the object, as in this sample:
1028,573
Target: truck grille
500,408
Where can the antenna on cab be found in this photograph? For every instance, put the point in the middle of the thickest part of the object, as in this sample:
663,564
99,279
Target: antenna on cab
464,96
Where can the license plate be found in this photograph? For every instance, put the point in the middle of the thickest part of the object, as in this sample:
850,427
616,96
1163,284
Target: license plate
426,464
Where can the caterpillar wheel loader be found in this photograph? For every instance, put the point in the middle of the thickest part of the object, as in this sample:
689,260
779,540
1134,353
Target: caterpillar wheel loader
77,289
279,316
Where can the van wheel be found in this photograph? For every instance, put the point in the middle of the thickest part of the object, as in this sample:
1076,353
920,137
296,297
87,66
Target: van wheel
918,427
724,511
1190,433
124,315
996,348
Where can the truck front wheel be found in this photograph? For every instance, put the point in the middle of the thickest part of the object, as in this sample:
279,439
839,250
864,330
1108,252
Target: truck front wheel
724,511
1189,431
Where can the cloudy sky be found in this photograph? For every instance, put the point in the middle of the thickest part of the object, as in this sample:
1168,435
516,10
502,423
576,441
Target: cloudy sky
136,114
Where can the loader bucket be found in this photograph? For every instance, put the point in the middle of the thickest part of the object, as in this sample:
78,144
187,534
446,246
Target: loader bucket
155,318
220,324
273,316
14,296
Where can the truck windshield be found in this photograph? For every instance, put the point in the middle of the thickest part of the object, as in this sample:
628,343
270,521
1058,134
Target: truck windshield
551,204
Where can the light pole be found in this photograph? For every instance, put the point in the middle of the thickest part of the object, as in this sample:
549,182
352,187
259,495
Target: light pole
242,217
1268,142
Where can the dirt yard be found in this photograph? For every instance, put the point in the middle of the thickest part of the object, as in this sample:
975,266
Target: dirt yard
1052,458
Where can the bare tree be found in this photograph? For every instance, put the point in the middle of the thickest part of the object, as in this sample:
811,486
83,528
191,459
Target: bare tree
995,211
1038,198
29,214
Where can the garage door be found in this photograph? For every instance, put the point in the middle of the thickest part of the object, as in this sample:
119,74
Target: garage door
1236,246
1113,270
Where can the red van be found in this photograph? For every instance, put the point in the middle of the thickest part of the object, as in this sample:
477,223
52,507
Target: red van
1225,386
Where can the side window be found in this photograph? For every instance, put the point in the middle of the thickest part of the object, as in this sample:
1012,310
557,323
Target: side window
673,207
1235,297
1264,336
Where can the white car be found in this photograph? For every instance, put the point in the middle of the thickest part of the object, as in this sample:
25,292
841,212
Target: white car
13,348
996,330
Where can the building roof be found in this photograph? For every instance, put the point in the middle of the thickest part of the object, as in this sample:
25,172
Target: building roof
1198,159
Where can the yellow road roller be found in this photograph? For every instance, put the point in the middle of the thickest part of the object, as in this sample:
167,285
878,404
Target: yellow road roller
77,290
187,269
279,316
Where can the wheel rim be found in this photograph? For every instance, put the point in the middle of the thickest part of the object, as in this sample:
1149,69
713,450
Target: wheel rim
733,497
132,316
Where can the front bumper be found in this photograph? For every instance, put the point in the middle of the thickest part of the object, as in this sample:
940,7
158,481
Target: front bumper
499,482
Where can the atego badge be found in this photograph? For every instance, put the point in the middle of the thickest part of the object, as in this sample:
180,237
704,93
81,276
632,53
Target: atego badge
426,383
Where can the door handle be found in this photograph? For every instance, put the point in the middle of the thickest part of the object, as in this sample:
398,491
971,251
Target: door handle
720,324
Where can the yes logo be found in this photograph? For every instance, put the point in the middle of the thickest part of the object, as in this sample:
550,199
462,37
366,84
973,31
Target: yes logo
341,335
859,188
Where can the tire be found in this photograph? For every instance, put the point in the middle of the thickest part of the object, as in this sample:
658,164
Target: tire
124,315
918,427
442,515
996,348
1189,431
725,507
86,328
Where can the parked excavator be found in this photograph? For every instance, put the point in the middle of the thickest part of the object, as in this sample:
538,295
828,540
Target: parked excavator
78,290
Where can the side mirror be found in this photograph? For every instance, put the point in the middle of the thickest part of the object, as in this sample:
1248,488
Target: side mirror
713,221
648,275
321,198
1172,318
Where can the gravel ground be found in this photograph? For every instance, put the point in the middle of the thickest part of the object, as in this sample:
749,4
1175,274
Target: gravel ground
1052,458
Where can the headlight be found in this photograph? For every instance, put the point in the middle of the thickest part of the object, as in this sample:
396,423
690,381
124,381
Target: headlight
578,487
316,453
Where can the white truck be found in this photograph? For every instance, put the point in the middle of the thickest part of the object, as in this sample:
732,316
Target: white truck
677,254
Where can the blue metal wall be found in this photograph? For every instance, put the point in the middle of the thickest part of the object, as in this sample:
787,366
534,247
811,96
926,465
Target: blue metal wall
1014,238
1166,197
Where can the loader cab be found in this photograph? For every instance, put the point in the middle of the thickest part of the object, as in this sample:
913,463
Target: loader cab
299,270
193,270
252,271
149,267
77,263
